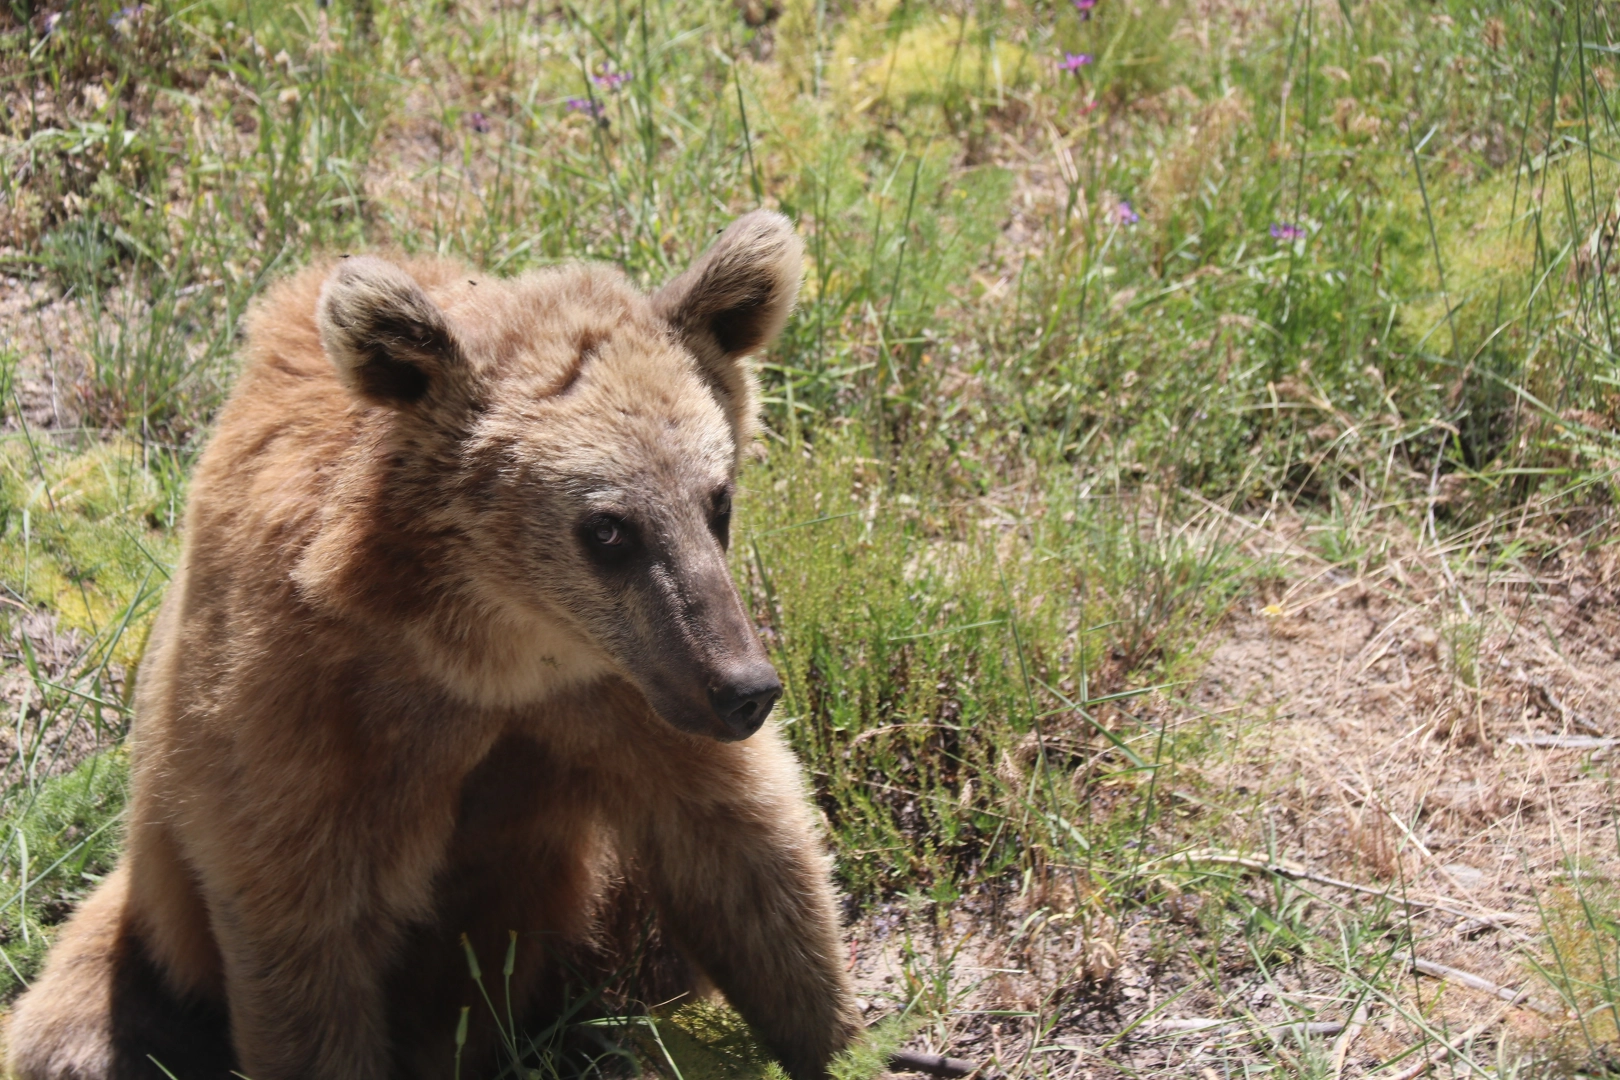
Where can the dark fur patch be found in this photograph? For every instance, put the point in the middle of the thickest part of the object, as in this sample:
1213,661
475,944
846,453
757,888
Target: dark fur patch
385,378
401,348
741,327
190,1040
420,331
393,342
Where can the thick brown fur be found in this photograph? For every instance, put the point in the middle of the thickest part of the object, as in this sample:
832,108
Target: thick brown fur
452,650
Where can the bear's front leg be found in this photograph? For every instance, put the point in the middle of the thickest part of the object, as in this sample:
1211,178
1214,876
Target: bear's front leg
304,1005
742,881
308,907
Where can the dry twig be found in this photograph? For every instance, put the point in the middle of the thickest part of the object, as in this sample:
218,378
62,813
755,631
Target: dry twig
1438,1054
1569,715
1499,919
1341,1045
1562,742
1475,982
1203,1025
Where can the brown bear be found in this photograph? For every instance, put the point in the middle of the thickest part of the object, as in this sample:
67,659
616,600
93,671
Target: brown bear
453,650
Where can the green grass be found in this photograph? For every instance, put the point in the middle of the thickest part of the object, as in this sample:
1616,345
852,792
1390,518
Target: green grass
908,694
1049,348
60,837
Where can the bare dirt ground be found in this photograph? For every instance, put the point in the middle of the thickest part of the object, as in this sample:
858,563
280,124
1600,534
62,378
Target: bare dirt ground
36,741
1399,734
36,324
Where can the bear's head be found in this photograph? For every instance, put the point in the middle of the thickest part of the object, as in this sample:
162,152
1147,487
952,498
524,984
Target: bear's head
553,460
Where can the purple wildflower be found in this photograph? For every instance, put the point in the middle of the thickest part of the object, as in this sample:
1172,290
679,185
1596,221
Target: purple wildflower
1084,8
479,123
1127,216
590,108
126,15
611,80
1285,231
1075,61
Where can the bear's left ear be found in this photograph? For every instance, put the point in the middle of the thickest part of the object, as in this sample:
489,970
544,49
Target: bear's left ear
734,301
390,343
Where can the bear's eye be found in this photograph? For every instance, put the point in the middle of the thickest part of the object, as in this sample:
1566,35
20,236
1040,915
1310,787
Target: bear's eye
608,540
606,532
721,521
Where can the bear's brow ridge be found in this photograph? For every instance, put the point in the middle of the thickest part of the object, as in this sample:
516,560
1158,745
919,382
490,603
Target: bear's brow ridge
586,347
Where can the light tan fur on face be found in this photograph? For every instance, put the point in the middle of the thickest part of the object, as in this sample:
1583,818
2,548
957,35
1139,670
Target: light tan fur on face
395,694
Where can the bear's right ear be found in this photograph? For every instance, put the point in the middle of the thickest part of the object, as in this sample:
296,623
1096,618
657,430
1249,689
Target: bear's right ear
391,345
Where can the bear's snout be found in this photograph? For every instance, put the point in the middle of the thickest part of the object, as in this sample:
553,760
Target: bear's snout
743,706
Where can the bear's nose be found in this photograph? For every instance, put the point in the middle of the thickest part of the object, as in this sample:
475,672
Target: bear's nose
743,706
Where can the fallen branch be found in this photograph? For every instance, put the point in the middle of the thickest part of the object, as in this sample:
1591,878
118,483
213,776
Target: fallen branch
1457,975
931,1064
